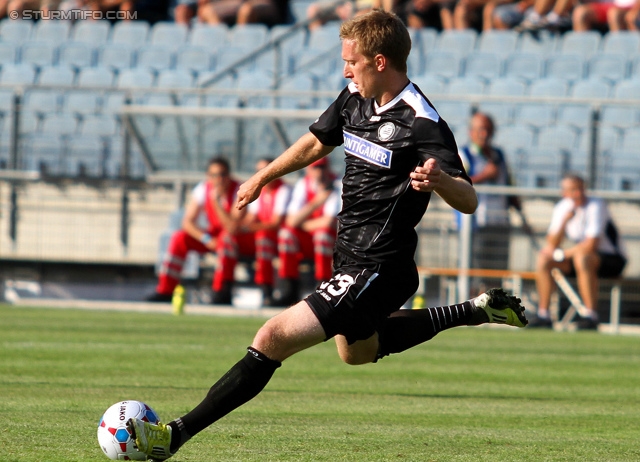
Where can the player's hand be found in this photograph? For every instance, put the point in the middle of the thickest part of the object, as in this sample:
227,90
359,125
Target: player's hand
248,192
427,177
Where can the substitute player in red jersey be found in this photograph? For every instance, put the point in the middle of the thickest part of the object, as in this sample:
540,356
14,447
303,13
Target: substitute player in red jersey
309,232
398,152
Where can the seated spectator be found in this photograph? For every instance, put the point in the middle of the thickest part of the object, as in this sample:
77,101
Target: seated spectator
601,15
232,12
547,14
324,11
437,14
504,15
214,196
467,14
309,230
632,17
263,219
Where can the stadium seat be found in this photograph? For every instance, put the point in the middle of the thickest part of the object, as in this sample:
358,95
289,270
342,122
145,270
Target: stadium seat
318,61
457,41
444,64
135,78
116,56
208,36
569,67
498,41
630,140
627,89
52,32
132,33
81,102
623,116
99,125
625,42
543,43
486,65
194,58
507,86
43,151
576,115
6,102
325,37
154,57
15,31
623,171
583,44
590,88
39,54
95,77
515,137
608,141
415,62
541,114
175,78
57,76
255,81
9,53
503,112
293,43
169,35
249,36
94,33
610,66
299,83
42,101
17,74
86,155
549,87
428,39
76,54
430,85
466,86
60,124
527,66
542,168
454,112
218,100
230,55
558,137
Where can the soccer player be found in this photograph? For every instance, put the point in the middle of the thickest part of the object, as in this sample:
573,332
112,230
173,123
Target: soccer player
398,151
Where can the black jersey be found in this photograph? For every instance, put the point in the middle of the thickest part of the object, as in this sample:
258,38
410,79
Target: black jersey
383,145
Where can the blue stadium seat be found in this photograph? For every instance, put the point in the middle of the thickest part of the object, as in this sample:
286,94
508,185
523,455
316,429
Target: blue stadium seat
569,67
561,137
549,87
498,41
590,88
503,112
430,85
6,102
630,140
99,125
325,37
76,54
15,31
528,66
610,66
428,39
42,101
543,43
60,124
623,171
135,78
457,41
622,117
85,155
255,81
415,62
116,56
52,32
154,57
608,138
132,33
9,53
17,74
466,86
43,152
94,33
230,55
625,42
486,65
219,100
507,86
317,61
299,83
57,76
81,102
444,64
208,36
576,115
194,58
293,43
542,168
454,112
583,44
95,77
39,54
169,35
515,137
175,78
627,89
249,36
541,114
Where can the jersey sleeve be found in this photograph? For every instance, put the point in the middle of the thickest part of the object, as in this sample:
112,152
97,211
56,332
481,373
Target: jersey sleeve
298,197
328,127
283,196
596,219
559,211
435,140
199,193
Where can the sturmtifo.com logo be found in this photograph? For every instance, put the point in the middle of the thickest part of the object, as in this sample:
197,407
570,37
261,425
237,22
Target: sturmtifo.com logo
74,15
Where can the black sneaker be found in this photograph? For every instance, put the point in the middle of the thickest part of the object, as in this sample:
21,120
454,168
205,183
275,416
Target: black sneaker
223,296
587,324
541,323
158,298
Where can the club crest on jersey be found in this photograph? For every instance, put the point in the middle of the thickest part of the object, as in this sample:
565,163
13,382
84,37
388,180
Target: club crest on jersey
366,150
386,131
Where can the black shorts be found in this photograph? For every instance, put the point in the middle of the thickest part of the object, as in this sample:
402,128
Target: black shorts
359,297
611,266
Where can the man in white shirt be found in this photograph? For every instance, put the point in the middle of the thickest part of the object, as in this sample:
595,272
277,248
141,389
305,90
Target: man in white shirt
597,249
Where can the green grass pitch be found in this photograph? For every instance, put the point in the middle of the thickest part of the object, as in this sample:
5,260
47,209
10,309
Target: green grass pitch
470,394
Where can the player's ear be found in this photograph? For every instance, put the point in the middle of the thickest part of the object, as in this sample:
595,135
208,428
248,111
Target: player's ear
380,62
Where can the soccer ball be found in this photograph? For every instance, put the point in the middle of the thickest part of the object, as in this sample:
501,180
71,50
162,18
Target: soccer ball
113,436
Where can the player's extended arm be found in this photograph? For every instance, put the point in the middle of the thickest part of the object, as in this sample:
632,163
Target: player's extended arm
190,220
303,152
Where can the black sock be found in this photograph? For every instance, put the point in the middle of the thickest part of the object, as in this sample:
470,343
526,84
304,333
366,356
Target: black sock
240,384
405,329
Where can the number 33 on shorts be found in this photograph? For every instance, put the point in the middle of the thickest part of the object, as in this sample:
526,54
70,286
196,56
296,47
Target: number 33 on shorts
338,286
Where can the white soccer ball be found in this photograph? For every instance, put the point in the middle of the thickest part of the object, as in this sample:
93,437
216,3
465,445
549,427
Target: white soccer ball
113,436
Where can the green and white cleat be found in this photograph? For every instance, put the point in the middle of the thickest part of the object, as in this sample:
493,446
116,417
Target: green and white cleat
501,308
151,440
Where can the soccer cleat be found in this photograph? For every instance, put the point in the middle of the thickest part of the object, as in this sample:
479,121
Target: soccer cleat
152,440
158,298
501,308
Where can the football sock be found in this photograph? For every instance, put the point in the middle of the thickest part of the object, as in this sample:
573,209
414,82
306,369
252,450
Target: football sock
240,384
405,329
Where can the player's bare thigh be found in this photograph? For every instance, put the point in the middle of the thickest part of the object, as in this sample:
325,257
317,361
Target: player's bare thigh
293,330
360,352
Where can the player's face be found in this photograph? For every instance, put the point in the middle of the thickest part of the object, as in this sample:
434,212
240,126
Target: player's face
218,176
361,70
572,189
